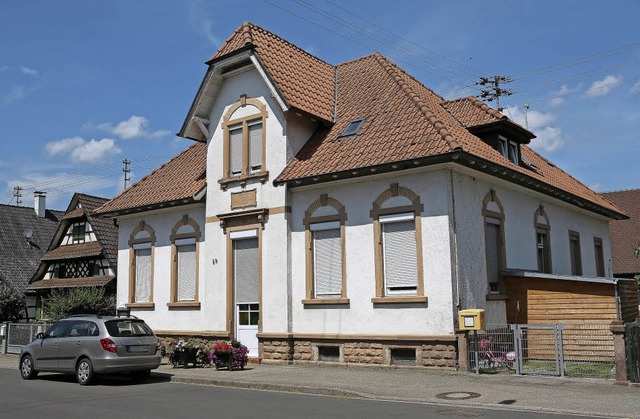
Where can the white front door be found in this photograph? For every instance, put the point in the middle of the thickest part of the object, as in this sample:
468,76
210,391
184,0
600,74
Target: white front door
246,261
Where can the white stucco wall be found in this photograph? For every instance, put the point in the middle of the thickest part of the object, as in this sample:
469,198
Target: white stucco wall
361,316
519,206
161,317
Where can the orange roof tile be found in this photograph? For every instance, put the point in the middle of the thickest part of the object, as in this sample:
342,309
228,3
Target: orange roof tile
177,180
625,234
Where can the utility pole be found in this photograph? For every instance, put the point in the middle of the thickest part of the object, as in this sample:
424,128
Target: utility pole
17,195
494,91
126,171
526,119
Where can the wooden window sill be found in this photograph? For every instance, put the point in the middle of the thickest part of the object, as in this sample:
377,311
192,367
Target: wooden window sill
184,304
141,305
497,297
325,301
225,181
400,300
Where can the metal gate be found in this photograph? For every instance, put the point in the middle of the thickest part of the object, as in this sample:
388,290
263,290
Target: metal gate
539,349
20,334
632,339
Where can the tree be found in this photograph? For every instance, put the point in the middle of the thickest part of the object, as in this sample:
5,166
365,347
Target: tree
12,304
65,302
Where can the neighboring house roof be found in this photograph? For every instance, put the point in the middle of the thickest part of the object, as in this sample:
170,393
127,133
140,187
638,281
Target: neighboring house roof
406,125
81,208
174,183
19,256
92,281
625,234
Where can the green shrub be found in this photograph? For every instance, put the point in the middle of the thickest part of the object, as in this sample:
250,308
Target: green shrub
12,304
65,302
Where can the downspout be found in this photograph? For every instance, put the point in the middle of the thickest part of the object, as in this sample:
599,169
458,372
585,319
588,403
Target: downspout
454,253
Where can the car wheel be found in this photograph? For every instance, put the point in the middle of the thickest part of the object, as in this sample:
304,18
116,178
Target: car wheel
140,375
27,371
84,372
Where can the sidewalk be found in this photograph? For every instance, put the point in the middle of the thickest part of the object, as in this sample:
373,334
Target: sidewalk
540,394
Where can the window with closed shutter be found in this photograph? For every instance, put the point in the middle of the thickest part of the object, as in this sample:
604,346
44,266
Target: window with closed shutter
493,249
327,264
400,256
255,146
143,275
247,269
235,148
186,272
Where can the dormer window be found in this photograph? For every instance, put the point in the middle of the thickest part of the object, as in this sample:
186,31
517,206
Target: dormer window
352,128
509,149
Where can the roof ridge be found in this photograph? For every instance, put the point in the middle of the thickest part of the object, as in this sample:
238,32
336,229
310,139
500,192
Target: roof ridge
483,106
373,54
418,101
621,190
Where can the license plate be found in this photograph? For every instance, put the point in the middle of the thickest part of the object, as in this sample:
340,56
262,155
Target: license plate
136,349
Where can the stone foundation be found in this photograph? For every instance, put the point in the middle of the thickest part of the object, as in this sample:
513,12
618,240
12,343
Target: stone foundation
360,352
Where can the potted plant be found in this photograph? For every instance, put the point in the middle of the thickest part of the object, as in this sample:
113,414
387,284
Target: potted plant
229,354
183,352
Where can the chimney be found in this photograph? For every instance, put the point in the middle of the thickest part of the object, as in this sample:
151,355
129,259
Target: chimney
40,202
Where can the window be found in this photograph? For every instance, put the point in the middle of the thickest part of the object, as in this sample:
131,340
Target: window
399,276
599,251
244,140
352,128
494,244
509,149
328,353
82,268
78,232
326,278
543,242
141,253
402,356
574,253
184,273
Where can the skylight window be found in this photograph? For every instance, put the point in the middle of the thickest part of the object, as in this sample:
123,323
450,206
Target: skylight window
352,128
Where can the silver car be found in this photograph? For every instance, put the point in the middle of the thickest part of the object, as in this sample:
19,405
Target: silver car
89,344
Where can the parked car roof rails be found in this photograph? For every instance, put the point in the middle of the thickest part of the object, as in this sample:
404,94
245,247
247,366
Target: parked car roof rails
97,316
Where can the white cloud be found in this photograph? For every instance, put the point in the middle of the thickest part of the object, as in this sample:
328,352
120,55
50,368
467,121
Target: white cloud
134,127
199,20
557,96
78,150
3,67
548,138
16,93
635,88
603,87
28,71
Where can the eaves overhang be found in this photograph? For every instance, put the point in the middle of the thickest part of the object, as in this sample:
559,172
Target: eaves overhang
465,159
151,207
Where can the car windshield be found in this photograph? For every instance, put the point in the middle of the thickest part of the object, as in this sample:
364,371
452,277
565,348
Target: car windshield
122,328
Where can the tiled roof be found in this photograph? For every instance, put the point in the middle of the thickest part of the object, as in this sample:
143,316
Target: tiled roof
19,257
625,234
178,179
104,228
304,81
471,112
93,281
73,251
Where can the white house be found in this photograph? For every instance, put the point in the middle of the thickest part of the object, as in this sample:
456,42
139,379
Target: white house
344,212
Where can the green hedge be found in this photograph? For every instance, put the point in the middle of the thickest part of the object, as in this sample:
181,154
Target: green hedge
65,302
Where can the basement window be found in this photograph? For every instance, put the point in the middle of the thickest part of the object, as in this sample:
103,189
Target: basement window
329,353
403,356
352,128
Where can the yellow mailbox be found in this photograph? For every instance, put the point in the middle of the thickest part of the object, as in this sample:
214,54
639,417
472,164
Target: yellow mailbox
471,319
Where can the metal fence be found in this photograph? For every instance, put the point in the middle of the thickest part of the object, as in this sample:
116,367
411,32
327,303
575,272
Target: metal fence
574,350
20,334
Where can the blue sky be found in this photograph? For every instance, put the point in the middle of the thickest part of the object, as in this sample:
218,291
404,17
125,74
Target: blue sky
86,84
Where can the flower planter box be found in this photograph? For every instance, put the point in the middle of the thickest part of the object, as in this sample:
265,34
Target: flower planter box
184,358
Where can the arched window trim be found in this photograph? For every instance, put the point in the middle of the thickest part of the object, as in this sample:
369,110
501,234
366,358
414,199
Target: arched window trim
309,219
227,122
416,207
496,218
142,226
195,234
546,230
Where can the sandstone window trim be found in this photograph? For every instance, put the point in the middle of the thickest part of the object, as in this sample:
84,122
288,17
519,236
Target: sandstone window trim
324,223
377,212
542,229
179,240
492,219
244,124
139,241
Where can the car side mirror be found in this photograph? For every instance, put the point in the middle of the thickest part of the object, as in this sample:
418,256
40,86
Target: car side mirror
40,335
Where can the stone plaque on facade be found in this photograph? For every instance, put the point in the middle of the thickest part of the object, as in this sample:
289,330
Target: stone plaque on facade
243,199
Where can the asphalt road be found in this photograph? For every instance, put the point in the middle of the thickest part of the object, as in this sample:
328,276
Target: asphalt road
59,396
